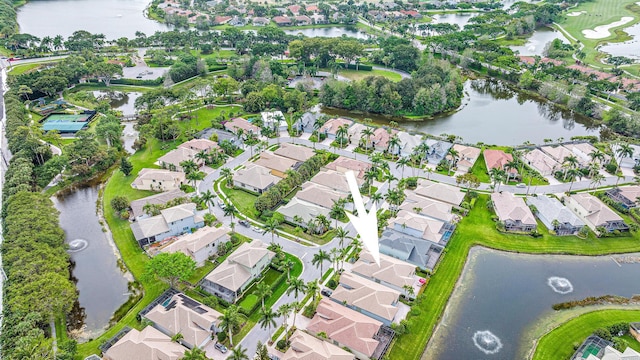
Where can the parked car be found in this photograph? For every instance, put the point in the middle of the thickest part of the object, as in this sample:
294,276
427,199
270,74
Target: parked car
256,228
326,292
223,349
273,357
244,223
221,203
521,185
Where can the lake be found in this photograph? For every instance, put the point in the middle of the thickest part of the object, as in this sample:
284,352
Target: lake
113,18
460,19
488,314
119,100
334,31
102,286
490,105
536,43
630,49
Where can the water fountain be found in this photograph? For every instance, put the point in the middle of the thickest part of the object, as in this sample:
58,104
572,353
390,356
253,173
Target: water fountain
487,342
560,285
76,245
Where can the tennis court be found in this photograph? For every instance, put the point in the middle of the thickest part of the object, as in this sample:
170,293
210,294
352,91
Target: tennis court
67,123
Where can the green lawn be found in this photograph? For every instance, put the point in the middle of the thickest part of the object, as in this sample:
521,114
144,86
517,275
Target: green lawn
359,75
600,13
478,229
558,344
21,69
479,169
242,200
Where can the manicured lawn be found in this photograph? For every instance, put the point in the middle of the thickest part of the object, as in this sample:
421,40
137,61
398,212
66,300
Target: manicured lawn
360,74
478,229
242,200
558,344
600,13
320,240
479,169
21,69
201,272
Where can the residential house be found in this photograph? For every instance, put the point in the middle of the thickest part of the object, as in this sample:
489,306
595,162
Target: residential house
298,153
334,180
295,9
311,8
274,120
422,227
318,19
554,215
367,297
582,152
428,207
408,142
282,20
626,196
628,162
467,156
412,13
344,164
173,158
306,211
330,128
304,346
393,273
237,21
346,328
278,165
199,245
254,178
438,149
513,212
380,139
498,159
338,17
319,195
610,353
221,20
260,21
137,206
448,194
158,180
560,153
148,344
238,270
541,162
182,315
199,145
595,213
172,221
302,20
235,124
417,251
355,134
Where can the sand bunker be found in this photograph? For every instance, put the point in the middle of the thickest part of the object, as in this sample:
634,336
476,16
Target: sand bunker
576,13
602,31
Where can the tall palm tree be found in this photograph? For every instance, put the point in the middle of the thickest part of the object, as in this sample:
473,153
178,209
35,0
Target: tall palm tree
341,234
596,180
570,162
230,320
208,198
239,353
337,211
367,132
295,307
296,286
370,175
263,291
341,133
624,150
267,319
394,143
313,288
271,226
195,177
202,156
194,354
189,166
454,158
322,223
401,163
376,198
230,210
388,177
597,156
226,173
573,174
510,165
335,255
319,258
284,310
497,176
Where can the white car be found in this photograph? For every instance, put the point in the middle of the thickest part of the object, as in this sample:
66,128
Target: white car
521,185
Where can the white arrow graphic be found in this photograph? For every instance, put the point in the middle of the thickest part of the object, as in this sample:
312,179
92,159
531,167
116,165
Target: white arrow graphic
366,224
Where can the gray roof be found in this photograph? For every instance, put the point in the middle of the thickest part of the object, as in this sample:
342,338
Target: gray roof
255,176
307,211
408,248
552,209
158,199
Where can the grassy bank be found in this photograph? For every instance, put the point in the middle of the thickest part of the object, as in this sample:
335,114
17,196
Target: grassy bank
478,229
359,75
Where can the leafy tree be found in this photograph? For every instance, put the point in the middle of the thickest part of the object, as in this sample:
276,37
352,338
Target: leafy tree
125,166
119,203
170,267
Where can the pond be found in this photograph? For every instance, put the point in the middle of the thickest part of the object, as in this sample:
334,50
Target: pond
119,100
460,19
630,49
492,309
113,18
490,105
538,40
102,285
334,31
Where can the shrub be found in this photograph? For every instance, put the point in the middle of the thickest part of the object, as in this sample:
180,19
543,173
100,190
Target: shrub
610,168
249,304
222,336
282,344
119,203
332,284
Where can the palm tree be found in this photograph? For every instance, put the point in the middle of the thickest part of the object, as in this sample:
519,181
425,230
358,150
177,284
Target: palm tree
337,211
295,307
238,354
202,156
296,286
624,150
284,310
195,354
510,165
369,176
313,288
322,223
189,166
268,319
229,320
230,210
454,158
394,143
227,174
341,234
335,255
270,226
570,162
194,177
319,258
208,198
597,156
408,290
376,198
389,178
596,180
573,173
342,132
367,132
262,291
401,163
497,175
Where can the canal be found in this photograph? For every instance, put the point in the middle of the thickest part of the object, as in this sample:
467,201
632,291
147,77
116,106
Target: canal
493,113
491,309
102,285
